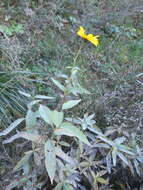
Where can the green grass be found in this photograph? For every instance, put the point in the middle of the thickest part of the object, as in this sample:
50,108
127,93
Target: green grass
12,104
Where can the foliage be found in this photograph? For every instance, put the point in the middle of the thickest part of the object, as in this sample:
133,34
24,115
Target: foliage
38,40
45,128
55,123
13,29
11,102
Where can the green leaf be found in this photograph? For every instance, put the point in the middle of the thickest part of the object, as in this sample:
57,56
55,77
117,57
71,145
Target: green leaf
95,130
12,126
45,114
67,186
50,159
102,145
29,136
70,104
59,186
32,103
101,173
24,94
123,158
136,164
43,97
114,156
23,161
62,143
72,131
125,149
32,137
17,182
105,139
64,156
119,140
59,85
79,90
57,118
31,119
6,30
37,159
108,162
101,180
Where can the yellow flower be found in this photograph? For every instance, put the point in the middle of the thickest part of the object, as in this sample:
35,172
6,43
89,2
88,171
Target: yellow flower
81,32
93,39
90,37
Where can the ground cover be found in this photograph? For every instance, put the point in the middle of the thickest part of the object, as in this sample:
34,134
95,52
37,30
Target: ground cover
38,40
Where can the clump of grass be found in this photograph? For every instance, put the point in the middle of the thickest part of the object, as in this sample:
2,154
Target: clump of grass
12,104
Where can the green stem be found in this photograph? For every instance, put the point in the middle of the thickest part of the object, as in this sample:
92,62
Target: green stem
77,55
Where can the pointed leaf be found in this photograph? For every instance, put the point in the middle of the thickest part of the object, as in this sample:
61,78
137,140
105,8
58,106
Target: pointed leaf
73,120
31,119
95,130
72,131
12,126
17,183
125,149
29,136
50,159
101,180
23,161
24,94
108,161
64,156
108,141
37,159
45,114
123,158
33,103
70,104
101,173
59,186
102,145
120,140
136,164
57,118
114,156
67,186
138,150
44,97
63,143
90,117
140,159
59,85
80,90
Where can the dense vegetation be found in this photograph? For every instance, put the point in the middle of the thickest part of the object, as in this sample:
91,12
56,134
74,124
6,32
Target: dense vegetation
71,110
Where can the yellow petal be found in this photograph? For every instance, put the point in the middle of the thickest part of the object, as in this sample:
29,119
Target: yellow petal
93,39
81,32
90,37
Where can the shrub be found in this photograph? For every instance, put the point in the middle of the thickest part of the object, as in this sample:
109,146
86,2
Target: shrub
51,133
